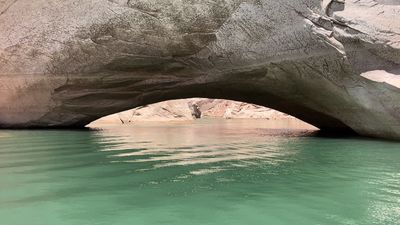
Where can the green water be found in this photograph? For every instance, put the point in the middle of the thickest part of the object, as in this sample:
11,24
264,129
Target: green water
204,172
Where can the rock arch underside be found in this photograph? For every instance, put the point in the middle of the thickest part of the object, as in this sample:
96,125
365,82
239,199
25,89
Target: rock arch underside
331,63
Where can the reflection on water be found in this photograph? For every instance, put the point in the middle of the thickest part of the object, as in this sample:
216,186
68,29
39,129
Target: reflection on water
200,172
203,142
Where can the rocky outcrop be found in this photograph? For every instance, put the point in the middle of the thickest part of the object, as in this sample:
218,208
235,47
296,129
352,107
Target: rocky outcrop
190,109
65,63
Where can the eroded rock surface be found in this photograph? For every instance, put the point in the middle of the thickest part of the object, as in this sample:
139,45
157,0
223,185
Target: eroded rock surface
65,63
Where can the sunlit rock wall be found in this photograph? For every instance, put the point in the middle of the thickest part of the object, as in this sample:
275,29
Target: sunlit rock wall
184,109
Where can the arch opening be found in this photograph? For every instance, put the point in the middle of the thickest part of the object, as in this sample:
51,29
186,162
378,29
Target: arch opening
194,109
273,98
191,109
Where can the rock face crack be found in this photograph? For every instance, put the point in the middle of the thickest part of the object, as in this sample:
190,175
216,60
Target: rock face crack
323,27
6,6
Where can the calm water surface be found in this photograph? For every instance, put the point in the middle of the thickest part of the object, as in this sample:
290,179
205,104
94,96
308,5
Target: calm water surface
204,172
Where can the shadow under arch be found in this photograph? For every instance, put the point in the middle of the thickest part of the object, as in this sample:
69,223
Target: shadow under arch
326,123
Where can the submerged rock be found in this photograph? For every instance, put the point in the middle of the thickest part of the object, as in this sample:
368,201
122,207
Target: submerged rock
65,63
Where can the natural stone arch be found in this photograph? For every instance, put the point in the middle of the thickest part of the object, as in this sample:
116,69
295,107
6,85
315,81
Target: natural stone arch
70,64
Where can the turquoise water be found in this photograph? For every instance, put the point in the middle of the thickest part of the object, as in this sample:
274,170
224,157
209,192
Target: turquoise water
204,172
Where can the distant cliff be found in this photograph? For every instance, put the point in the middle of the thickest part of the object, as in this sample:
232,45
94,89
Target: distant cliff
194,108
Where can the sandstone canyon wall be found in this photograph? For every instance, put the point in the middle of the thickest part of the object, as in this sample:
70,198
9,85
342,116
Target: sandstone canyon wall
184,109
331,63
